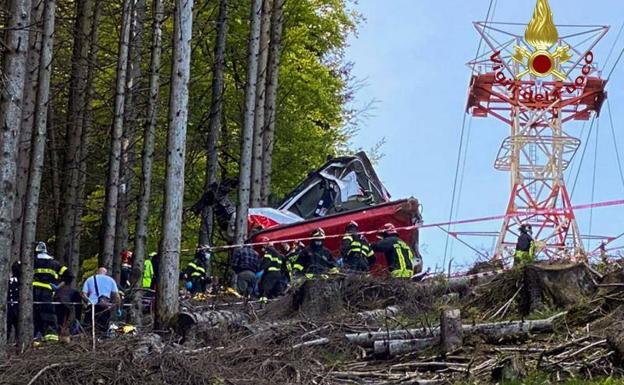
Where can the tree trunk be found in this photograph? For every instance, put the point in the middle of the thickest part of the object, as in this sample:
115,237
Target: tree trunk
141,233
35,172
167,303
451,332
72,148
87,127
244,178
14,73
216,116
129,136
270,115
28,122
259,121
112,184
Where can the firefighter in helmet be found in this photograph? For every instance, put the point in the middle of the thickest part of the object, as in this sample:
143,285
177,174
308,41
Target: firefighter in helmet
399,255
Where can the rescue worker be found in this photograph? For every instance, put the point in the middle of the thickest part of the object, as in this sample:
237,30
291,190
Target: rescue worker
126,269
355,251
197,271
246,264
49,276
148,271
316,259
292,254
399,254
525,247
13,299
273,270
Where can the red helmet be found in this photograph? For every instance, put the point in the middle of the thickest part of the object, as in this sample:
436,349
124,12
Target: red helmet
389,229
352,225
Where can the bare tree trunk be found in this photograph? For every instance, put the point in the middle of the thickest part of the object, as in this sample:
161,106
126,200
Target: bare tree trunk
129,137
167,295
112,183
275,51
72,149
140,240
259,121
248,124
28,118
54,163
87,127
216,116
14,66
35,173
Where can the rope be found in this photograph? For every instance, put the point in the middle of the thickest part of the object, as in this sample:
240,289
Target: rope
593,192
617,150
461,144
578,171
616,64
617,38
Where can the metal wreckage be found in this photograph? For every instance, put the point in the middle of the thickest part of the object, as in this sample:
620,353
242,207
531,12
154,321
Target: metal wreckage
344,189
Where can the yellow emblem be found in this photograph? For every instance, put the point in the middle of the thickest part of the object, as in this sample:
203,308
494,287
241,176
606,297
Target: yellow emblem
542,35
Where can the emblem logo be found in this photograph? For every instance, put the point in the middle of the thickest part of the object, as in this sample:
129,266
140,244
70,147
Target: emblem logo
541,34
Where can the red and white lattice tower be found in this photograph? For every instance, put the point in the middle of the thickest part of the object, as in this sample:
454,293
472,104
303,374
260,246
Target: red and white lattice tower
538,79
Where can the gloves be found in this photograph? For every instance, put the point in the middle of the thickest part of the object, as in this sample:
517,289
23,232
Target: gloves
340,262
119,313
54,287
259,275
188,285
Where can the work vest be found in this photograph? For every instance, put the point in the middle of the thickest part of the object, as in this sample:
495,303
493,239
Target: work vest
47,272
294,267
197,270
358,253
405,256
275,262
148,274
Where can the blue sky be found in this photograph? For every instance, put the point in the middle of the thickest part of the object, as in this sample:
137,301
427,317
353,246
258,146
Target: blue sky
412,56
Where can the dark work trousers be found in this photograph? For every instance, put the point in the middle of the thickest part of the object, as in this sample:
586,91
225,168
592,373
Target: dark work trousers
272,284
246,283
44,314
199,285
12,320
102,316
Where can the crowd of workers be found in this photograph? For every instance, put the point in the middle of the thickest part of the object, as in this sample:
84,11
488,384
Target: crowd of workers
57,306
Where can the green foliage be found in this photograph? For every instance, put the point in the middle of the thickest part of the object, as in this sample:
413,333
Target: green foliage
313,118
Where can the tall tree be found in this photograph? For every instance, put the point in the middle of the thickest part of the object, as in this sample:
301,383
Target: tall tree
259,120
87,128
36,170
244,178
167,296
149,136
14,66
74,131
275,52
112,183
216,118
133,84
28,122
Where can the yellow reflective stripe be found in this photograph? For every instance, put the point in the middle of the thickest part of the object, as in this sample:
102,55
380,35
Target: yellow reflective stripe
273,269
63,270
47,271
43,285
298,267
399,252
272,259
194,266
347,237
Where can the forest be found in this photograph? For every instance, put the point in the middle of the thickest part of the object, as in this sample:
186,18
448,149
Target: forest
118,116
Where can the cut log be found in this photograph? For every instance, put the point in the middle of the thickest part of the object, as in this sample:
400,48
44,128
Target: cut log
396,347
185,321
496,329
319,298
451,330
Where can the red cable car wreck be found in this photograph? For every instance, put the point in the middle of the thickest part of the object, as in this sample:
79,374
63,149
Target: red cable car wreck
344,189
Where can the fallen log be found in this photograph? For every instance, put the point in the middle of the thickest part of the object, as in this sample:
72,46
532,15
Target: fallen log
209,319
373,315
494,330
317,342
396,347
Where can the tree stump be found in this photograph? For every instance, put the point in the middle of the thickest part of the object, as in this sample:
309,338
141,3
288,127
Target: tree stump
451,331
319,297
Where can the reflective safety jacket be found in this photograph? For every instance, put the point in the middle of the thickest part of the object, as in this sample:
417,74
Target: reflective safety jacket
196,269
356,253
49,273
398,255
525,249
294,265
148,273
272,260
